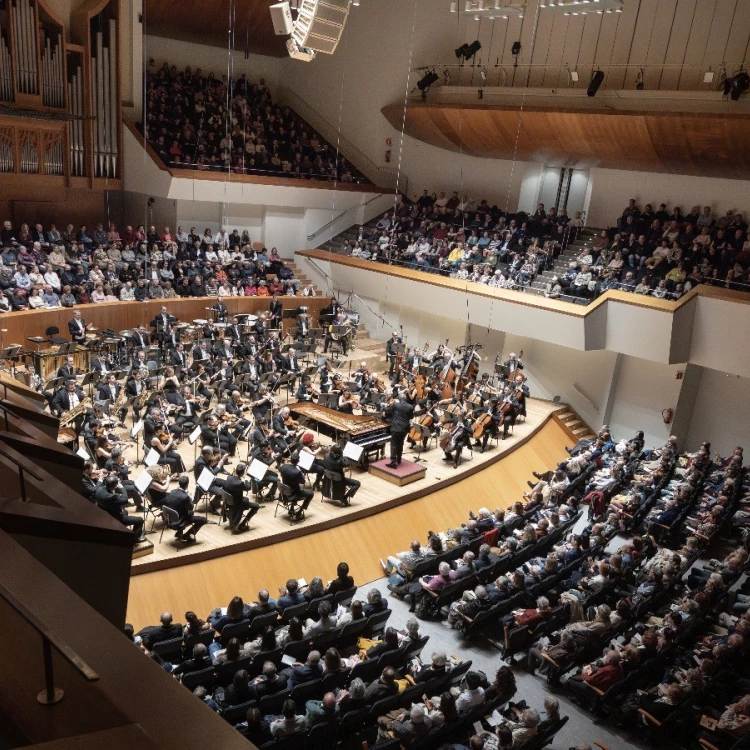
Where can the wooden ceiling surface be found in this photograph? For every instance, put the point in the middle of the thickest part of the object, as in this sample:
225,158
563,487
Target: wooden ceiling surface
714,145
208,22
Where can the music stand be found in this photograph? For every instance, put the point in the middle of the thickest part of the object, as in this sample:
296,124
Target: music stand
503,371
329,400
88,379
10,354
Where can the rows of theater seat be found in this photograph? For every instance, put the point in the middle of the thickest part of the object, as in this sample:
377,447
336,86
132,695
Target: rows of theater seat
648,632
188,125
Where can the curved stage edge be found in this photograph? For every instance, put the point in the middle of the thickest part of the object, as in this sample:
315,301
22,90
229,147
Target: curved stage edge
204,579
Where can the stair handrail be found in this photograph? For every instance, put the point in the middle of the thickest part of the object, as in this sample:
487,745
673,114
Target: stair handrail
311,237
398,181
583,393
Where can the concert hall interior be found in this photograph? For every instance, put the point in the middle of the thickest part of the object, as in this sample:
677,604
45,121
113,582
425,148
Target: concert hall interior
374,374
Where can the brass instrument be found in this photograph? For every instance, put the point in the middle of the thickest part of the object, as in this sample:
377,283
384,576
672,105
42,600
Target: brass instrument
139,401
119,402
72,414
338,336
145,372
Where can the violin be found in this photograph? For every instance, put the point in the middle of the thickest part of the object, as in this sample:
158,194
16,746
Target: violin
291,423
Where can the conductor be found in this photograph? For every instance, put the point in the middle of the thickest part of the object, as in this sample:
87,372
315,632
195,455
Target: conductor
400,413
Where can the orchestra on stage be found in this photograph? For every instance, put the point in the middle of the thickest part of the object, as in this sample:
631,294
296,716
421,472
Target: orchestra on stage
253,397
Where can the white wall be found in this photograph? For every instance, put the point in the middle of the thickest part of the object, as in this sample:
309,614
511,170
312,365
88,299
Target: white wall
721,413
612,188
283,228
557,370
369,71
642,390
212,59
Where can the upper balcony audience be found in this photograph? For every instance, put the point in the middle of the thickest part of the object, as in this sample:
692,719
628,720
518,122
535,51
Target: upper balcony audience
660,253
197,121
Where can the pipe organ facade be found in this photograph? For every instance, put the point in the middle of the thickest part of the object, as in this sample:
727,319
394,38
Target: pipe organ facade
61,115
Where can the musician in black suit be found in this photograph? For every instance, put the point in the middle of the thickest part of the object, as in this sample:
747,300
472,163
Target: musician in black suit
211,459
102,364
218,437
224,349
88,482
236,485
292,477
302,325
68,370
460,434
134,387
513,364
290,365
139,338
112,498
264,453
162,325
220,310
187,409
250,347
67,398
179,501
390,351
233,331
335,461
109,389
178,357
511,412
201,354
77,328
277,309
400,414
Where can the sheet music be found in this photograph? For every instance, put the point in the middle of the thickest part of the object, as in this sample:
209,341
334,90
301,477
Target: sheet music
137,427
152,457
205,480
352,451
143,481
257,469
194,435
305,460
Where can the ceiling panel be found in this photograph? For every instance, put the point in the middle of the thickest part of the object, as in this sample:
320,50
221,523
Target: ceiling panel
695,144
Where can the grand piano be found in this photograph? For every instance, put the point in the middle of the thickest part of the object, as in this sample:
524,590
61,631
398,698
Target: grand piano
366,430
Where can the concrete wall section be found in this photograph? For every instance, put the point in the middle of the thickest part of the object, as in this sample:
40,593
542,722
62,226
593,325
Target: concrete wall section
612,188
642,391
721,413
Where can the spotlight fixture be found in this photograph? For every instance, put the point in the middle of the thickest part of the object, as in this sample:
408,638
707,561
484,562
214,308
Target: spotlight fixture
708,76
515,49
574,76
596,81
737,85
424,83
467,51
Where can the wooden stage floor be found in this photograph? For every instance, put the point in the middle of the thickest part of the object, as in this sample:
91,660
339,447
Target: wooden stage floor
220,566
375,496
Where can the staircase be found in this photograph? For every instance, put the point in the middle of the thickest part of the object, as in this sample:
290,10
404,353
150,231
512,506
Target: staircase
572,420
299,274
352,233
584,239
366,349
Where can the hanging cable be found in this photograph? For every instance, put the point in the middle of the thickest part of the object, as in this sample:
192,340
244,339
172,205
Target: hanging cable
520,111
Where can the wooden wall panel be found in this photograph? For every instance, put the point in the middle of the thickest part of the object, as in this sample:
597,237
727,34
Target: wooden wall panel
125,315
709,145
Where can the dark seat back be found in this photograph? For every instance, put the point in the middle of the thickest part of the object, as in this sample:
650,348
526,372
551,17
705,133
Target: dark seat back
225,672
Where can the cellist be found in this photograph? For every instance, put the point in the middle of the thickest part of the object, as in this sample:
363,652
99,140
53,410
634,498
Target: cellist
489,420
509,410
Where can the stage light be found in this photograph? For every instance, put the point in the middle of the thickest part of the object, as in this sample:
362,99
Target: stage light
516,48
427,80
708,76
574,76
596,81
467,51
738,85
454,6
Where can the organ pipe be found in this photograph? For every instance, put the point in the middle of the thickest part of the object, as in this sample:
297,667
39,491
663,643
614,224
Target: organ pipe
104,96
6,70
25,37
53,93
